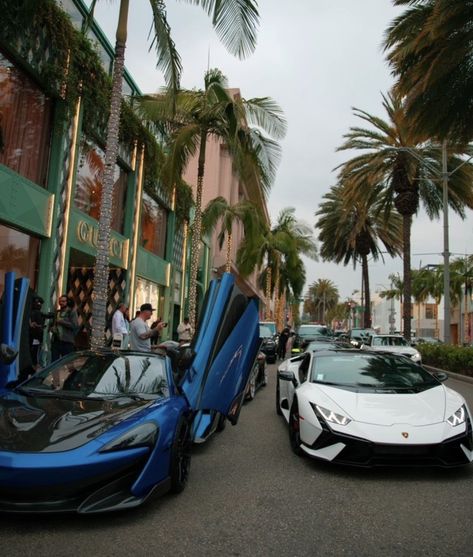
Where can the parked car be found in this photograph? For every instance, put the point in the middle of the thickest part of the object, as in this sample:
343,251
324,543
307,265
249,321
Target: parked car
426,340
392,343
258,376
101,431
372,409
269,343
271,325
308,333
359,335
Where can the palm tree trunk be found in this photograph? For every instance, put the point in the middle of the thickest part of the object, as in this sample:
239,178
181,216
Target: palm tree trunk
196,232
366,287
101,271
406,252
268,294
228,265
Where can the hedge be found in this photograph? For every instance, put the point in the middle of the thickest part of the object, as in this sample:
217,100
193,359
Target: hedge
458,359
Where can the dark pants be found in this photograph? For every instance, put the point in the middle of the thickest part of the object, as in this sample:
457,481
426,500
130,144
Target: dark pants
60,348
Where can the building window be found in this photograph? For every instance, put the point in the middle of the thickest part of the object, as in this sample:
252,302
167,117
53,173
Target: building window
19,252
431,311
89,186
153,226
25,124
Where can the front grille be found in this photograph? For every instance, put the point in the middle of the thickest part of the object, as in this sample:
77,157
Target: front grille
360,452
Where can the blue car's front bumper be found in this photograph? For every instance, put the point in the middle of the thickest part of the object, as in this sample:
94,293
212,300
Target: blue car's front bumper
83,480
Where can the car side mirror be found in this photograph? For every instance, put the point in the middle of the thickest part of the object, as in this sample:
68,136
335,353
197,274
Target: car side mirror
288,376
440,375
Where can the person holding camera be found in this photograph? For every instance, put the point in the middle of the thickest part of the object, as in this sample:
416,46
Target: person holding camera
184,331
64,328
140,333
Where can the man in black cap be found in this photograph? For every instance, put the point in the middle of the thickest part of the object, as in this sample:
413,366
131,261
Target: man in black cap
140,333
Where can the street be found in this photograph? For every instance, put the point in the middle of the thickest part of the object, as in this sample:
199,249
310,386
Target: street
249,495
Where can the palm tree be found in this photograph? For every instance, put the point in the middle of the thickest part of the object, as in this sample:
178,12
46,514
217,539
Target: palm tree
235,22
322,296
350,232
276,251
388,160
430,51
193,117
219,209
462,282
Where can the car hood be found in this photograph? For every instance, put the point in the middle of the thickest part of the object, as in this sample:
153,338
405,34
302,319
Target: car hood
427,407
50,424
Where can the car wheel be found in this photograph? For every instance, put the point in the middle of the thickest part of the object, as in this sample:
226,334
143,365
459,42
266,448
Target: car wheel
222,422
294,430
181,456
278,405
251,392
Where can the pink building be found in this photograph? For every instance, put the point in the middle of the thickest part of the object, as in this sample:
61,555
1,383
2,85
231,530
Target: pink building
220,180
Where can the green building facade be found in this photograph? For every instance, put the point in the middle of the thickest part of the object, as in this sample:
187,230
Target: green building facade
52,122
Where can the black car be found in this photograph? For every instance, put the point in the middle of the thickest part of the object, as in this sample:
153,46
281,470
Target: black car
268,344
308,333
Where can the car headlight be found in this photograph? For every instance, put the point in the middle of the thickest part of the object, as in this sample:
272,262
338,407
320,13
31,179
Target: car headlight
457,417
416,357
143,435
333,417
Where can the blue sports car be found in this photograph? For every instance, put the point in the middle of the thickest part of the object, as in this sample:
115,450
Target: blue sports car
102,431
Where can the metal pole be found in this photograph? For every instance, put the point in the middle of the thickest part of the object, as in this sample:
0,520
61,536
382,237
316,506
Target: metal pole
446,253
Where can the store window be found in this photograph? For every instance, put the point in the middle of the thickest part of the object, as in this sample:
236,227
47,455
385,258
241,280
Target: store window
153,226
25,124
152,293
19,252
89,186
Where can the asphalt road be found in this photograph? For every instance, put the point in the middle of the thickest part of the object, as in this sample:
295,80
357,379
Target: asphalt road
249,495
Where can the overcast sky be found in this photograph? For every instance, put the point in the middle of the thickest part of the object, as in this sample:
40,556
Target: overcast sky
317,59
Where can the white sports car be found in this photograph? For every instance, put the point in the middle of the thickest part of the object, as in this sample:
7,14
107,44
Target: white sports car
372,408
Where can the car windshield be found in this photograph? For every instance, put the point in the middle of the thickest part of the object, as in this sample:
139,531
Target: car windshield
313,331
371,372
271,326
265,332
389,341
92,375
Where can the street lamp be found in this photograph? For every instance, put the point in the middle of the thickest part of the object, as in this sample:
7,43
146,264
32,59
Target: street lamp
444,175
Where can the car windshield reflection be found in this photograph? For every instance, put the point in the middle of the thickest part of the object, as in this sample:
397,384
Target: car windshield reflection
102,376
375,373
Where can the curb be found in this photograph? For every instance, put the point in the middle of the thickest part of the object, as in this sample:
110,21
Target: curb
453,375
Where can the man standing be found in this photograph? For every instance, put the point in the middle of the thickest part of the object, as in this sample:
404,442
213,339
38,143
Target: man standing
120,327
64,329
184,331
140,333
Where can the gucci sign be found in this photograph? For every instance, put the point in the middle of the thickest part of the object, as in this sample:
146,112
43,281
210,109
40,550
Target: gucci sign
88,234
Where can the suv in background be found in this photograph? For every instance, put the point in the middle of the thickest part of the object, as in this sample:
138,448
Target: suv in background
308,333
268,342
359,335
396,344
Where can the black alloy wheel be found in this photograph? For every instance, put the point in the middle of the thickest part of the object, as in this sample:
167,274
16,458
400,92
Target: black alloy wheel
294,429
181,456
